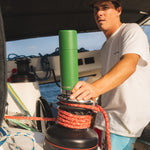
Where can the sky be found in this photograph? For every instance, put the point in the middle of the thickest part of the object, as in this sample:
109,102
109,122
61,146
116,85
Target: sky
47,45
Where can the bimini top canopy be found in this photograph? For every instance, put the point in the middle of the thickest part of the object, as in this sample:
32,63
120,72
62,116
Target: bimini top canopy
36,18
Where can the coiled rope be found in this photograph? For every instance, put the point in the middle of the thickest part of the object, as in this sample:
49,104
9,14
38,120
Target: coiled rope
73,121
70,120
6,134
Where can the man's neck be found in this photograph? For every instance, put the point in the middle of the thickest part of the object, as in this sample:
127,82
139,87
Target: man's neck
109,32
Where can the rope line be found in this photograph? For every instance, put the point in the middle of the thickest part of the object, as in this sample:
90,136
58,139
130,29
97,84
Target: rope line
22,125
73,121
19,102
6,134
29,118
17,99
93,108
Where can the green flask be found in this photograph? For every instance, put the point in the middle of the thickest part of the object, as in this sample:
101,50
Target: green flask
68,59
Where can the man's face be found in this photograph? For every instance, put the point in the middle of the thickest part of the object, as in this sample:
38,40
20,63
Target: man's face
106,16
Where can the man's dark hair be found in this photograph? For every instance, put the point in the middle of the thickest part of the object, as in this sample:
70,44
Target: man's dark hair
116,3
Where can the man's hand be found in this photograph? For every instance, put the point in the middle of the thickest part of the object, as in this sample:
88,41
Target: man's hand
84,91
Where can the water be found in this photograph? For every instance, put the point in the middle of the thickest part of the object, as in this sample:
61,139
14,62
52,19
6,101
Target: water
50,91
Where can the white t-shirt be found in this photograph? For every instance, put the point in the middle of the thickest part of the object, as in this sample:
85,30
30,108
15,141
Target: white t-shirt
128,105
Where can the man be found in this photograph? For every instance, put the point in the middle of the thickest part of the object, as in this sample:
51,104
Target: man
125,80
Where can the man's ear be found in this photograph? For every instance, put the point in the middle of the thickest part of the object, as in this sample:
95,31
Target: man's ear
119,9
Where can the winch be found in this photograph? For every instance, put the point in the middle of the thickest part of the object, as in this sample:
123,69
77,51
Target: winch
72,130
23,90
23,73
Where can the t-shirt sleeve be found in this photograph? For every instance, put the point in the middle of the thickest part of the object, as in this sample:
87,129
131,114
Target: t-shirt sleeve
135,41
